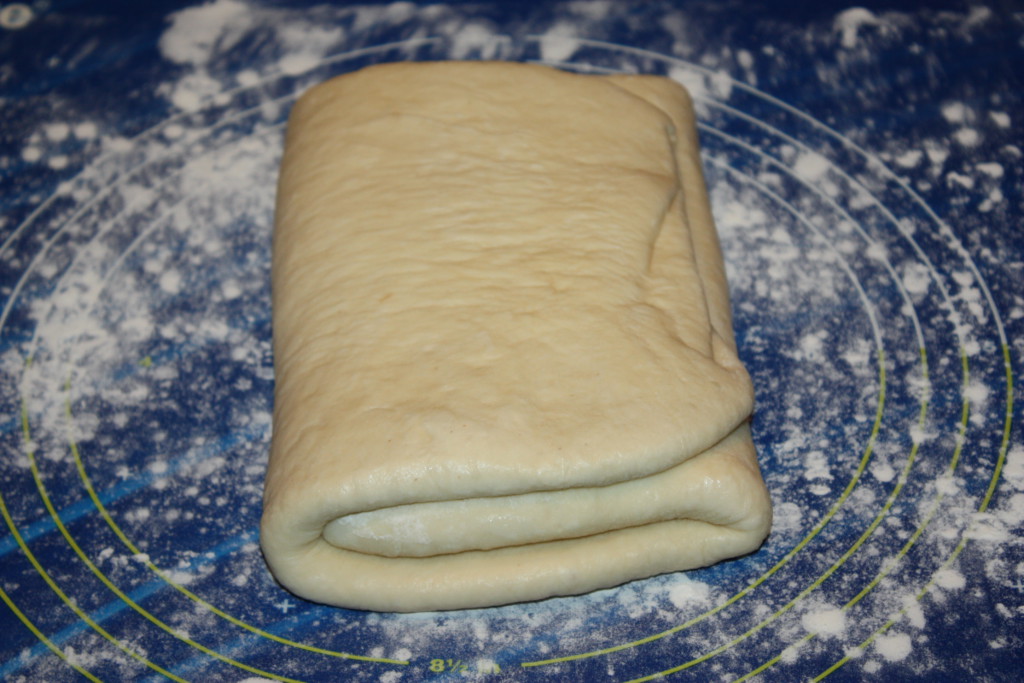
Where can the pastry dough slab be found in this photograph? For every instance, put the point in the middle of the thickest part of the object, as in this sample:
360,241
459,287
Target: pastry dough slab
504,360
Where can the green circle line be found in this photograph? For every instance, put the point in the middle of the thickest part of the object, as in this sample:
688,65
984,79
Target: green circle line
871,585
865,458
993,483
105,580
917,329
105,514
161,574
35,630
333,59
820,580
34,561
862,465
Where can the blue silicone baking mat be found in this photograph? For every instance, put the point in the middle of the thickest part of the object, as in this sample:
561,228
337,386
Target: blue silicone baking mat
865,170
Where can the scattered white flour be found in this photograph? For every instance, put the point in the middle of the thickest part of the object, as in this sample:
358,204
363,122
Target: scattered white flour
957,112
828,622
559,43
910,158
894,647
1001,118
968,137
198,33
811,166
686,592
991,169
850,22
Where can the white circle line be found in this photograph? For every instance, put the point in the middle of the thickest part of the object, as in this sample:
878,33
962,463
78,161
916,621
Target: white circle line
838,209
871,159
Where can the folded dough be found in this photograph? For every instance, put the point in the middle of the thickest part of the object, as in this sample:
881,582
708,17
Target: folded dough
505,367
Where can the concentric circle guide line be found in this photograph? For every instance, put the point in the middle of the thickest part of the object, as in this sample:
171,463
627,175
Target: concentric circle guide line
112,221
862,466
105,514
42,636
821,195
80,466
153,130
934,274
34,561
892,563
846,142
84,506
98,503
923,406
820,580
858,226
965,538
105,580
334,58
835,207
889,567
107,611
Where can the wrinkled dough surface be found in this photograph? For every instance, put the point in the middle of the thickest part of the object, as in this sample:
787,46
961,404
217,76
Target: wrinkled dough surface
504,360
